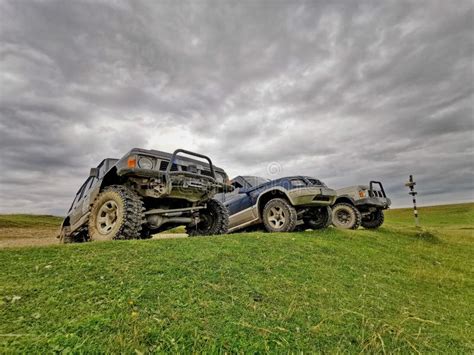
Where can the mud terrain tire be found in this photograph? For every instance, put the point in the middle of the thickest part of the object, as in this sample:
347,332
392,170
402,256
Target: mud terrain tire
117,213
279,216
373,220
346,216
214,220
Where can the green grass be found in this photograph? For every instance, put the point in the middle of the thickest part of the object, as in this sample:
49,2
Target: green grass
29,221
396,289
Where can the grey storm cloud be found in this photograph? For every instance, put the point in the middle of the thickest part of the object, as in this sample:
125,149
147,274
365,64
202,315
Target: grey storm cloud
345,91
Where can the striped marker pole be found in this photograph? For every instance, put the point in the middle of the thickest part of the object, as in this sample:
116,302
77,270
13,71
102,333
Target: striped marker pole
411,184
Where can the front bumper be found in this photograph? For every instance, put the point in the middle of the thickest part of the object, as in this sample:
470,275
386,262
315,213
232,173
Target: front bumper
378,202
312,196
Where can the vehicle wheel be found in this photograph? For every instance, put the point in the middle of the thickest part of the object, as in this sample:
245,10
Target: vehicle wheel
117,213
214,219
346,216
318,217
279,216
373,220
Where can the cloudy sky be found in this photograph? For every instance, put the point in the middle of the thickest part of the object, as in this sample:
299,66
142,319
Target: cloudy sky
346,91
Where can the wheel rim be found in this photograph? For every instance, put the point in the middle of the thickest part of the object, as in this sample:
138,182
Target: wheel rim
344,217
107,217
276,217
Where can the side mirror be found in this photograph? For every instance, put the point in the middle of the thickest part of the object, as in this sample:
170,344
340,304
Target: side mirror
94,173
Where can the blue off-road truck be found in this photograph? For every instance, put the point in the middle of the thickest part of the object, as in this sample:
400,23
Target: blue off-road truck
280,205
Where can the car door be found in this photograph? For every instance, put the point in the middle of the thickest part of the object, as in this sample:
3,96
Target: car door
86,198
232,199
81,206
237,202
76,212
240,209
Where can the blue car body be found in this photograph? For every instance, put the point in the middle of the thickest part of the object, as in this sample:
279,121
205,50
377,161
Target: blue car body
245,204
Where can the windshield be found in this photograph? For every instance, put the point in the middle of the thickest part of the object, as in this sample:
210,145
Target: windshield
255,180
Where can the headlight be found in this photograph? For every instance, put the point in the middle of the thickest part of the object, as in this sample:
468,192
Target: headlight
145,163
362,193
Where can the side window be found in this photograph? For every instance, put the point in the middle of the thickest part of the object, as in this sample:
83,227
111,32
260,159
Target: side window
315,182
77,198
237,185
82,192
297,183
85,188
73,202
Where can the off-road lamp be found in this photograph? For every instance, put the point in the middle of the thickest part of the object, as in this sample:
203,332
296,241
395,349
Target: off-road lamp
411,185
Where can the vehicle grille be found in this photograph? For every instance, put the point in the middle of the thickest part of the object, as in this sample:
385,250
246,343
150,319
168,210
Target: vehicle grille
175,167
164,166
374,193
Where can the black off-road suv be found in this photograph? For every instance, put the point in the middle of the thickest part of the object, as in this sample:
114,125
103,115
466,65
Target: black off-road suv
146,192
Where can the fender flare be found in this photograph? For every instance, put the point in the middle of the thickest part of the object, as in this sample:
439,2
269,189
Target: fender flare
269,190
344,198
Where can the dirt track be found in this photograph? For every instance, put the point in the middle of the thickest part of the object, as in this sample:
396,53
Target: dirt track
27,237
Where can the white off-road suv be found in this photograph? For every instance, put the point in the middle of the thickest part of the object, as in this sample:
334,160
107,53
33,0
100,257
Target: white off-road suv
360,205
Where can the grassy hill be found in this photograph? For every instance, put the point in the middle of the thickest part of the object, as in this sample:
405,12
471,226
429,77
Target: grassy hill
29,221
396,289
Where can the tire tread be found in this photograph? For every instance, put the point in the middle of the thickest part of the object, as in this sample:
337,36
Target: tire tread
379,219
358,219
134,213
222,225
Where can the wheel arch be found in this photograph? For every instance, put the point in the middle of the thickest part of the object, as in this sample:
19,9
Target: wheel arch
270,195
66,222
110,178
344,199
